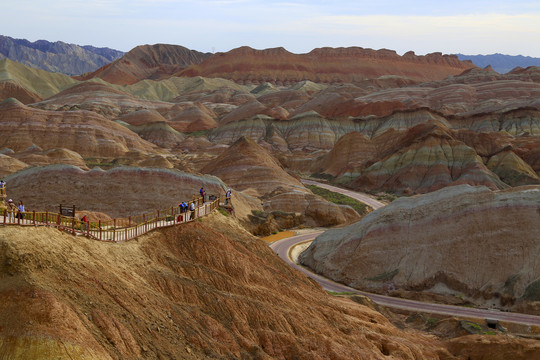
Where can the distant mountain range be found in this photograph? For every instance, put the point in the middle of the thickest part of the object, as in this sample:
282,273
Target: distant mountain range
57,56
501,63
71,59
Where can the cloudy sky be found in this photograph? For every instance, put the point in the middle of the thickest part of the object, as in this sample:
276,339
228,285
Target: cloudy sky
424,26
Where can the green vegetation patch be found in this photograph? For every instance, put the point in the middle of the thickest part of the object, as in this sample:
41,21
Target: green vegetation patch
510,283
341,293
386,197
386,276
223,211
198,133
340,199
532,292
323,176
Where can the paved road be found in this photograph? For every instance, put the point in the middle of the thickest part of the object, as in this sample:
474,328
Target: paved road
282,248
366,199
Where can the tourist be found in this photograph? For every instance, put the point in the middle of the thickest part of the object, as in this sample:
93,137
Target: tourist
11,208
192,208
2,187
227,197
20,210
84,223
203,194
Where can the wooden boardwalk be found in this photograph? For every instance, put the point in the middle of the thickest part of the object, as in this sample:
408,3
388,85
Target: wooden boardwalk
116,230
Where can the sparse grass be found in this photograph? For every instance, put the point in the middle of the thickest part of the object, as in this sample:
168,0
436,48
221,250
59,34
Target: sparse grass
259,213
327,177
387,276
510,283
198,133
340,199
532,292
386,197
223,211
341,293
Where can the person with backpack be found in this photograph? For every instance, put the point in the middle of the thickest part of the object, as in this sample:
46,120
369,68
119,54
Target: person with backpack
2,187
11,208
84,223
20,210
203,194
227,197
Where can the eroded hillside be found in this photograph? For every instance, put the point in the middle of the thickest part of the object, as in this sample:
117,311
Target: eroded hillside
203,290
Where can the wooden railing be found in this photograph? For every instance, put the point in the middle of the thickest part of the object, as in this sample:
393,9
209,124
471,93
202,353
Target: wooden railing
116,230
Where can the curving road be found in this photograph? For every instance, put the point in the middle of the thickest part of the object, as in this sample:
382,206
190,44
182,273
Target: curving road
283,248
366,199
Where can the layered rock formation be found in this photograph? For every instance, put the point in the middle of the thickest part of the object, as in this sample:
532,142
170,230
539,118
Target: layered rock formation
480,115
86,133
324,65
247,167
147,62
119,192
443,242
197,291
28,83
10,165
10,89
99,98
427,159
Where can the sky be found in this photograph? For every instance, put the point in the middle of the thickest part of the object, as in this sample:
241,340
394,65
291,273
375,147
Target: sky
458,26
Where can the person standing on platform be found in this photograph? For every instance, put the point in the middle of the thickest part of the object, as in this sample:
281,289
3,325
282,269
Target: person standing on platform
11,208
203,195
192,208
20,210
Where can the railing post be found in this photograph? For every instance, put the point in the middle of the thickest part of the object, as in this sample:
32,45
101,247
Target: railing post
46,218
99,224
114,230
5,215
34,217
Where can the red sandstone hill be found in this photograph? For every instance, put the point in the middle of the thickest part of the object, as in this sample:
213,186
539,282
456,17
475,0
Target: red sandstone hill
147,62
324,65
248,167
